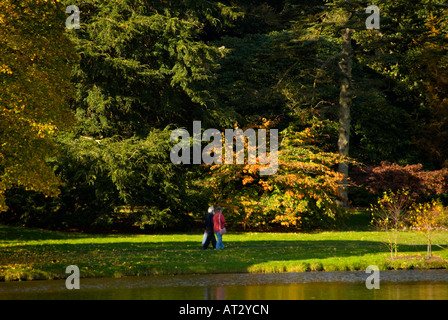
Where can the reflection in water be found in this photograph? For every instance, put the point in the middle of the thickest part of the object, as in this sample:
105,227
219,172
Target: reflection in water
329,291
395,285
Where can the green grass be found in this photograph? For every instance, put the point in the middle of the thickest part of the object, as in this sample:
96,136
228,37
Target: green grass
37,254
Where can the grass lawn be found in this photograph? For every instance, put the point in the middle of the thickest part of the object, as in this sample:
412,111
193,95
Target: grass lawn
38,254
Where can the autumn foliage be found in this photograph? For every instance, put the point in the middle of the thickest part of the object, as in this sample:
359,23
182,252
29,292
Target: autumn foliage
35,70
428,218
391,176
136,70
302,194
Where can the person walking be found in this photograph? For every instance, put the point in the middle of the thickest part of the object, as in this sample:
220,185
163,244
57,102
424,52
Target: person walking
209,229
219,227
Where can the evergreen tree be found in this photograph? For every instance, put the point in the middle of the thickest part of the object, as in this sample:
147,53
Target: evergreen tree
144,64
143,70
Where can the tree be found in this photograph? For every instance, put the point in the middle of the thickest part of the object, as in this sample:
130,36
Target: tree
391,176
409,51
345,102
301,195
113,179
344,18
35,67
339,18
430,54
145,64
332,87
427,218
389,216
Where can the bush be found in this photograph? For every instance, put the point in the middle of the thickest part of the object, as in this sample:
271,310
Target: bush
391,176
303,194
101,176
390,215
428,218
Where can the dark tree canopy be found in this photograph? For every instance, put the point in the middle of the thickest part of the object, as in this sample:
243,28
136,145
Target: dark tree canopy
310,69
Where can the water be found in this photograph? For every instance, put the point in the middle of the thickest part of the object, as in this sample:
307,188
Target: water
394,285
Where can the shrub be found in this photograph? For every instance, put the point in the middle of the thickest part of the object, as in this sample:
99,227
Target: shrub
100,177
427,218
391,176
302,194
389,215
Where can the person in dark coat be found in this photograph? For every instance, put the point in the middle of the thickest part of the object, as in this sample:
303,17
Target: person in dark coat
209,228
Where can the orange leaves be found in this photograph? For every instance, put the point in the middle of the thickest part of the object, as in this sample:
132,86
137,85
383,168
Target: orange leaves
289,220
434,24
265,185
247,179
289,193
302,193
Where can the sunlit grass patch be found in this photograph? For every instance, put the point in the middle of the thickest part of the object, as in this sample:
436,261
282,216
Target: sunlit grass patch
29,254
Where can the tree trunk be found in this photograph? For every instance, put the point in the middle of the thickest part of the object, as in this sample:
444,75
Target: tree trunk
345,102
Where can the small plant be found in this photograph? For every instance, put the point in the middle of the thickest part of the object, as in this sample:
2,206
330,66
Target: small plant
427,218
389,215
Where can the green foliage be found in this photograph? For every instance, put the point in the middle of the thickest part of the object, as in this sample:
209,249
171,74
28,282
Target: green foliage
133,172
146,66
409,53
112,181
142,66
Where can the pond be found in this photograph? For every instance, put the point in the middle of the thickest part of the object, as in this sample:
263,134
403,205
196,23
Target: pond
348,285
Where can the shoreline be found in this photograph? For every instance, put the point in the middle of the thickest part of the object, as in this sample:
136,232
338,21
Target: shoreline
400,264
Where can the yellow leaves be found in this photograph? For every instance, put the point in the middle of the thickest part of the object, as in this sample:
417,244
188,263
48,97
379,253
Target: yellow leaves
33,102
289,219
44,129
305,185
427,217
433,23
5,69
3,206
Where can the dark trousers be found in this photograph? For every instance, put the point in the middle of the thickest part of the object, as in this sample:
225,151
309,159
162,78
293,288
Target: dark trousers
210,237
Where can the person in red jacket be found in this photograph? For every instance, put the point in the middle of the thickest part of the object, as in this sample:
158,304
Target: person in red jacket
218,224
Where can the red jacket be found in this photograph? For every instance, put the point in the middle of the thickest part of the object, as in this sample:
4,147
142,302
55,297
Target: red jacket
217,219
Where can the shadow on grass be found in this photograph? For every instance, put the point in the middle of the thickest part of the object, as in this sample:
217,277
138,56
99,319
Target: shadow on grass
9,233
134,259
131,255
